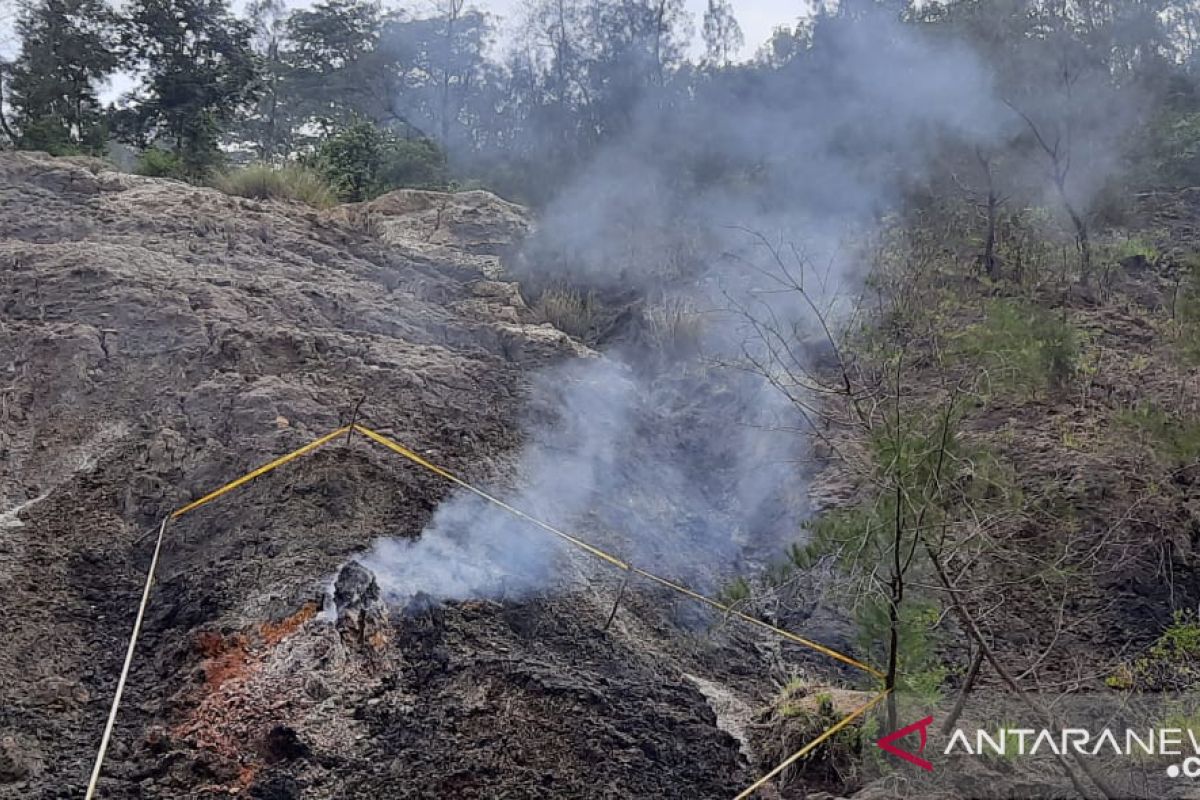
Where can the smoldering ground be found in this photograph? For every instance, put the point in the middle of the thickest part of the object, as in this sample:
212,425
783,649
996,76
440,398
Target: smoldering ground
724,200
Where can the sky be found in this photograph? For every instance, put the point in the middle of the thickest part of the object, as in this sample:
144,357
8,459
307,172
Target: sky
757,17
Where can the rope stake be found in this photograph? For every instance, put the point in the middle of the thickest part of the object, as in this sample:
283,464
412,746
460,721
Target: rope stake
162,529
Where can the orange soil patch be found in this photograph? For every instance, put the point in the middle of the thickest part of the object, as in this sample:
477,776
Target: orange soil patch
275,632
247,775
226,657
228,708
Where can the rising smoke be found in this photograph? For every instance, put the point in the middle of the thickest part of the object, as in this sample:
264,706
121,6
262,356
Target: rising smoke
685,468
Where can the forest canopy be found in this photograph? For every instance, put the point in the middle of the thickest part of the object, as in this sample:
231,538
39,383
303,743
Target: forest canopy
373,96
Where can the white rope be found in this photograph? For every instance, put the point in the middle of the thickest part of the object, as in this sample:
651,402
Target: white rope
137,627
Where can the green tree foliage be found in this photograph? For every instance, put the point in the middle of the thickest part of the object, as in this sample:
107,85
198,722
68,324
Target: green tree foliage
200,73
155,162
66,50
269,126
582,71
722,33
364,161
331,73
439,68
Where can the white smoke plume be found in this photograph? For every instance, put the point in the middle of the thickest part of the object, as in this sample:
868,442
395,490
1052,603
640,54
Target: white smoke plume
681,467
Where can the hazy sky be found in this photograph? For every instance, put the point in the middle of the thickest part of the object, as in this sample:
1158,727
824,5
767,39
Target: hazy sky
757,17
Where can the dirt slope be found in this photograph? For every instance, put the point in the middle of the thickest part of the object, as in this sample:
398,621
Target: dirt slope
158,339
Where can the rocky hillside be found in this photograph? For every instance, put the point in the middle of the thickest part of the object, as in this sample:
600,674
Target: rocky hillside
158,339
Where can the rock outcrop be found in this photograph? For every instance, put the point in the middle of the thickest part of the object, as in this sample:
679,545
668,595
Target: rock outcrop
158,339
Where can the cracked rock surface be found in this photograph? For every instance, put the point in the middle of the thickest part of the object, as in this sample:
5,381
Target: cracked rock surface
159,339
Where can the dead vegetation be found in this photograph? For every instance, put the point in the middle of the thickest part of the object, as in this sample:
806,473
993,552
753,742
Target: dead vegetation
1017,472
570,310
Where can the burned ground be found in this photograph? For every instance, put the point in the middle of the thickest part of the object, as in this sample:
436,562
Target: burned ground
159,340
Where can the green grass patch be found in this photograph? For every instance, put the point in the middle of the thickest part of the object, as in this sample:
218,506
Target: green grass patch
1172,663
735,591
1021,347
1175,439
1135,247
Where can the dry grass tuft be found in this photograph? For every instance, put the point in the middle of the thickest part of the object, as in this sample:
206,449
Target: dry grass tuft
674,326
267,182
569,310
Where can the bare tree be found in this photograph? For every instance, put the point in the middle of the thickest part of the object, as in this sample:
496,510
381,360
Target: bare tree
992,202
450,11
1056,146
4,127
925,533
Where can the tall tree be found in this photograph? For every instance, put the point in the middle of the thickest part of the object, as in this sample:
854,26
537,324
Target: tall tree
440,64
200,73
722,33
332,64
66,50
638,43
267,126
10,135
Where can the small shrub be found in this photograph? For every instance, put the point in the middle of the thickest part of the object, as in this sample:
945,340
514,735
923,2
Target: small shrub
799,714
1174,148
1172,663
267,182
1121,678
364,161
155,162
736,591
416,163
568,310
1022,346
1180,642
1178,440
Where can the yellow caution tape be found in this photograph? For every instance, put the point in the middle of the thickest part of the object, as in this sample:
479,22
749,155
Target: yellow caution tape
620,564
808,748
611,559
263,470
133,637
574,540
137,625
411,456
733,612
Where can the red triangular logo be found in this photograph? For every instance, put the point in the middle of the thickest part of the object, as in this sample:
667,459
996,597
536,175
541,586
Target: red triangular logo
920,725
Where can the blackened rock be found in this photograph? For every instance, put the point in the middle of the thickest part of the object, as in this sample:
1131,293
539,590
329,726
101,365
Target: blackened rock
17,761
360,609
283,744
420,603
277,787
355,589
